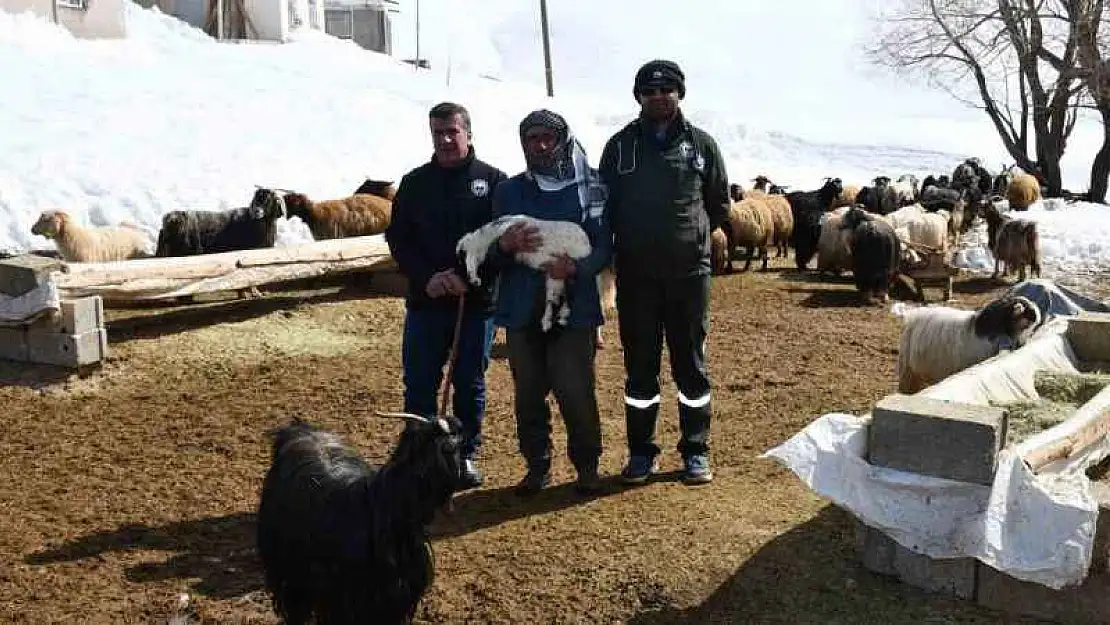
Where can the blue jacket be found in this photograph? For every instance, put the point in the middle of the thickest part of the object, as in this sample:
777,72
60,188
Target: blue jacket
519,287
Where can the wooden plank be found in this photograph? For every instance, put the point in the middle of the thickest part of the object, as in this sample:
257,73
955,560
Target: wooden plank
166,278
1089,424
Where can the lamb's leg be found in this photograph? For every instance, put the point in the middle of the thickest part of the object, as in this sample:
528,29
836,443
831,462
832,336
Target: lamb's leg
996,268
553,291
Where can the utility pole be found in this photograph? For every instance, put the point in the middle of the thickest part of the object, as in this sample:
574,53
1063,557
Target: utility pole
546,48
219,20
417,64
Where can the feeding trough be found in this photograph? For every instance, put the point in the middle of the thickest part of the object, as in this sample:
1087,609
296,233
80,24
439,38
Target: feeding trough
990,485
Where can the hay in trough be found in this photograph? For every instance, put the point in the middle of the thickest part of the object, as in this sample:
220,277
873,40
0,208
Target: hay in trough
1060,395
1077,388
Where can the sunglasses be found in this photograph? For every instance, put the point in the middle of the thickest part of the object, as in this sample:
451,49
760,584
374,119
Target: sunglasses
650,91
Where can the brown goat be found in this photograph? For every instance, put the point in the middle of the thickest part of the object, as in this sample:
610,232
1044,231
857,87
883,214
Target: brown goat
380,188
355,216
1014,242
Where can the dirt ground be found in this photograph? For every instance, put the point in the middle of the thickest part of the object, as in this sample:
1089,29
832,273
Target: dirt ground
137,484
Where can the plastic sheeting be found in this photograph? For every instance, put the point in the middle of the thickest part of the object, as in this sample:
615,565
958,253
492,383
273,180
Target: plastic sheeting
1034,527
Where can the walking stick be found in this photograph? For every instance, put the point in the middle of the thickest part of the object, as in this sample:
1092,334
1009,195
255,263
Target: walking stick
452,356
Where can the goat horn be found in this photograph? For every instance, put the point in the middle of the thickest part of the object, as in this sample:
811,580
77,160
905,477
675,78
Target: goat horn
402,415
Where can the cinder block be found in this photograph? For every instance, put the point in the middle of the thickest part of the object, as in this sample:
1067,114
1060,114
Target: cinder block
1089,335
1100,559
950,440
82,315
67,350
880,553
13,343
1087,603
21,274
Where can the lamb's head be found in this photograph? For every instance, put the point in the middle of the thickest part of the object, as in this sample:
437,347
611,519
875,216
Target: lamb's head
473,246
50,223
430,448
881,181
1010,317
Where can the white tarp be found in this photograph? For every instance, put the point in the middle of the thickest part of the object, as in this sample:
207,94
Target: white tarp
29,306
1035,527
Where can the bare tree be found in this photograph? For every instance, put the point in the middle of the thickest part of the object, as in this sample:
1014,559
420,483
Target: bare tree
1020,61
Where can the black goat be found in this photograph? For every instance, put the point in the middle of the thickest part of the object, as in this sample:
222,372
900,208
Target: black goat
342,543
808,207
876,254
189,233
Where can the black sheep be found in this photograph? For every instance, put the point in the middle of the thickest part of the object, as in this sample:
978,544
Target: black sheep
190,233
808,208
343,543
876,254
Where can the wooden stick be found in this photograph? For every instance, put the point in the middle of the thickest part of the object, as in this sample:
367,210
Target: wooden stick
452,357
1090,423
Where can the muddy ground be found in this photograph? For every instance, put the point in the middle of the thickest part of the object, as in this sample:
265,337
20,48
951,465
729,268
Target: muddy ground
137,483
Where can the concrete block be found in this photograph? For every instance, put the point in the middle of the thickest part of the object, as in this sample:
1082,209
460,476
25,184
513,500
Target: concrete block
82,315
13,343
943,439
955,577
1089,335
1100,559
21,274
1087,603
67,350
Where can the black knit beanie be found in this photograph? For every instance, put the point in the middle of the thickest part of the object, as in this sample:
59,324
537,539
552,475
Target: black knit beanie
660,73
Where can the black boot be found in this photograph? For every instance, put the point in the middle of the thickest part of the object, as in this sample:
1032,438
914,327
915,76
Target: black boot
537,478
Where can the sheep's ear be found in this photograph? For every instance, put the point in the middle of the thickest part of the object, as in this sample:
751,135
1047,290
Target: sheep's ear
402,415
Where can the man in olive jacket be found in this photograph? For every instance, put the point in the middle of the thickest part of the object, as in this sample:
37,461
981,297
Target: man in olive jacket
668,189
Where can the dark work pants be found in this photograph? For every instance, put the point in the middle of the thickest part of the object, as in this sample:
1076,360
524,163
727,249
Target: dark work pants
425,345
649,310
559,362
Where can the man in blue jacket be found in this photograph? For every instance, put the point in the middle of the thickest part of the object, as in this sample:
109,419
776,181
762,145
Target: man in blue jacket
558,185
436,204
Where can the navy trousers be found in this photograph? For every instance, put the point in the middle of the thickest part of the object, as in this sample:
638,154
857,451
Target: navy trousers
425,345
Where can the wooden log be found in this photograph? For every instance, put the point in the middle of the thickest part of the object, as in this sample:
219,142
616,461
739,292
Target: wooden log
1083,429
166,278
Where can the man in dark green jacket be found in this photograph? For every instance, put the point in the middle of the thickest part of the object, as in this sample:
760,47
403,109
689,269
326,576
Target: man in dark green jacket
668,189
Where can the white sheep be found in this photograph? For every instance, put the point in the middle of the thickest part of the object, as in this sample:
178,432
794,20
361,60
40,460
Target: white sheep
559,237
938,341
80,244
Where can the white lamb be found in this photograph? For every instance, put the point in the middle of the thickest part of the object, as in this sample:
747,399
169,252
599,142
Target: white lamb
559,237
938,341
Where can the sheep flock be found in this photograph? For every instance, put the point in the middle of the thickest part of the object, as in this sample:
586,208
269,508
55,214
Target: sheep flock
880,231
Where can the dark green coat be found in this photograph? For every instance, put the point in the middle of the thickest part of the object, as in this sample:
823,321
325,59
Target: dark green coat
664,198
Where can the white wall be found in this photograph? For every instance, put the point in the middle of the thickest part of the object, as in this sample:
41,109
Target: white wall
273,19
101,18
